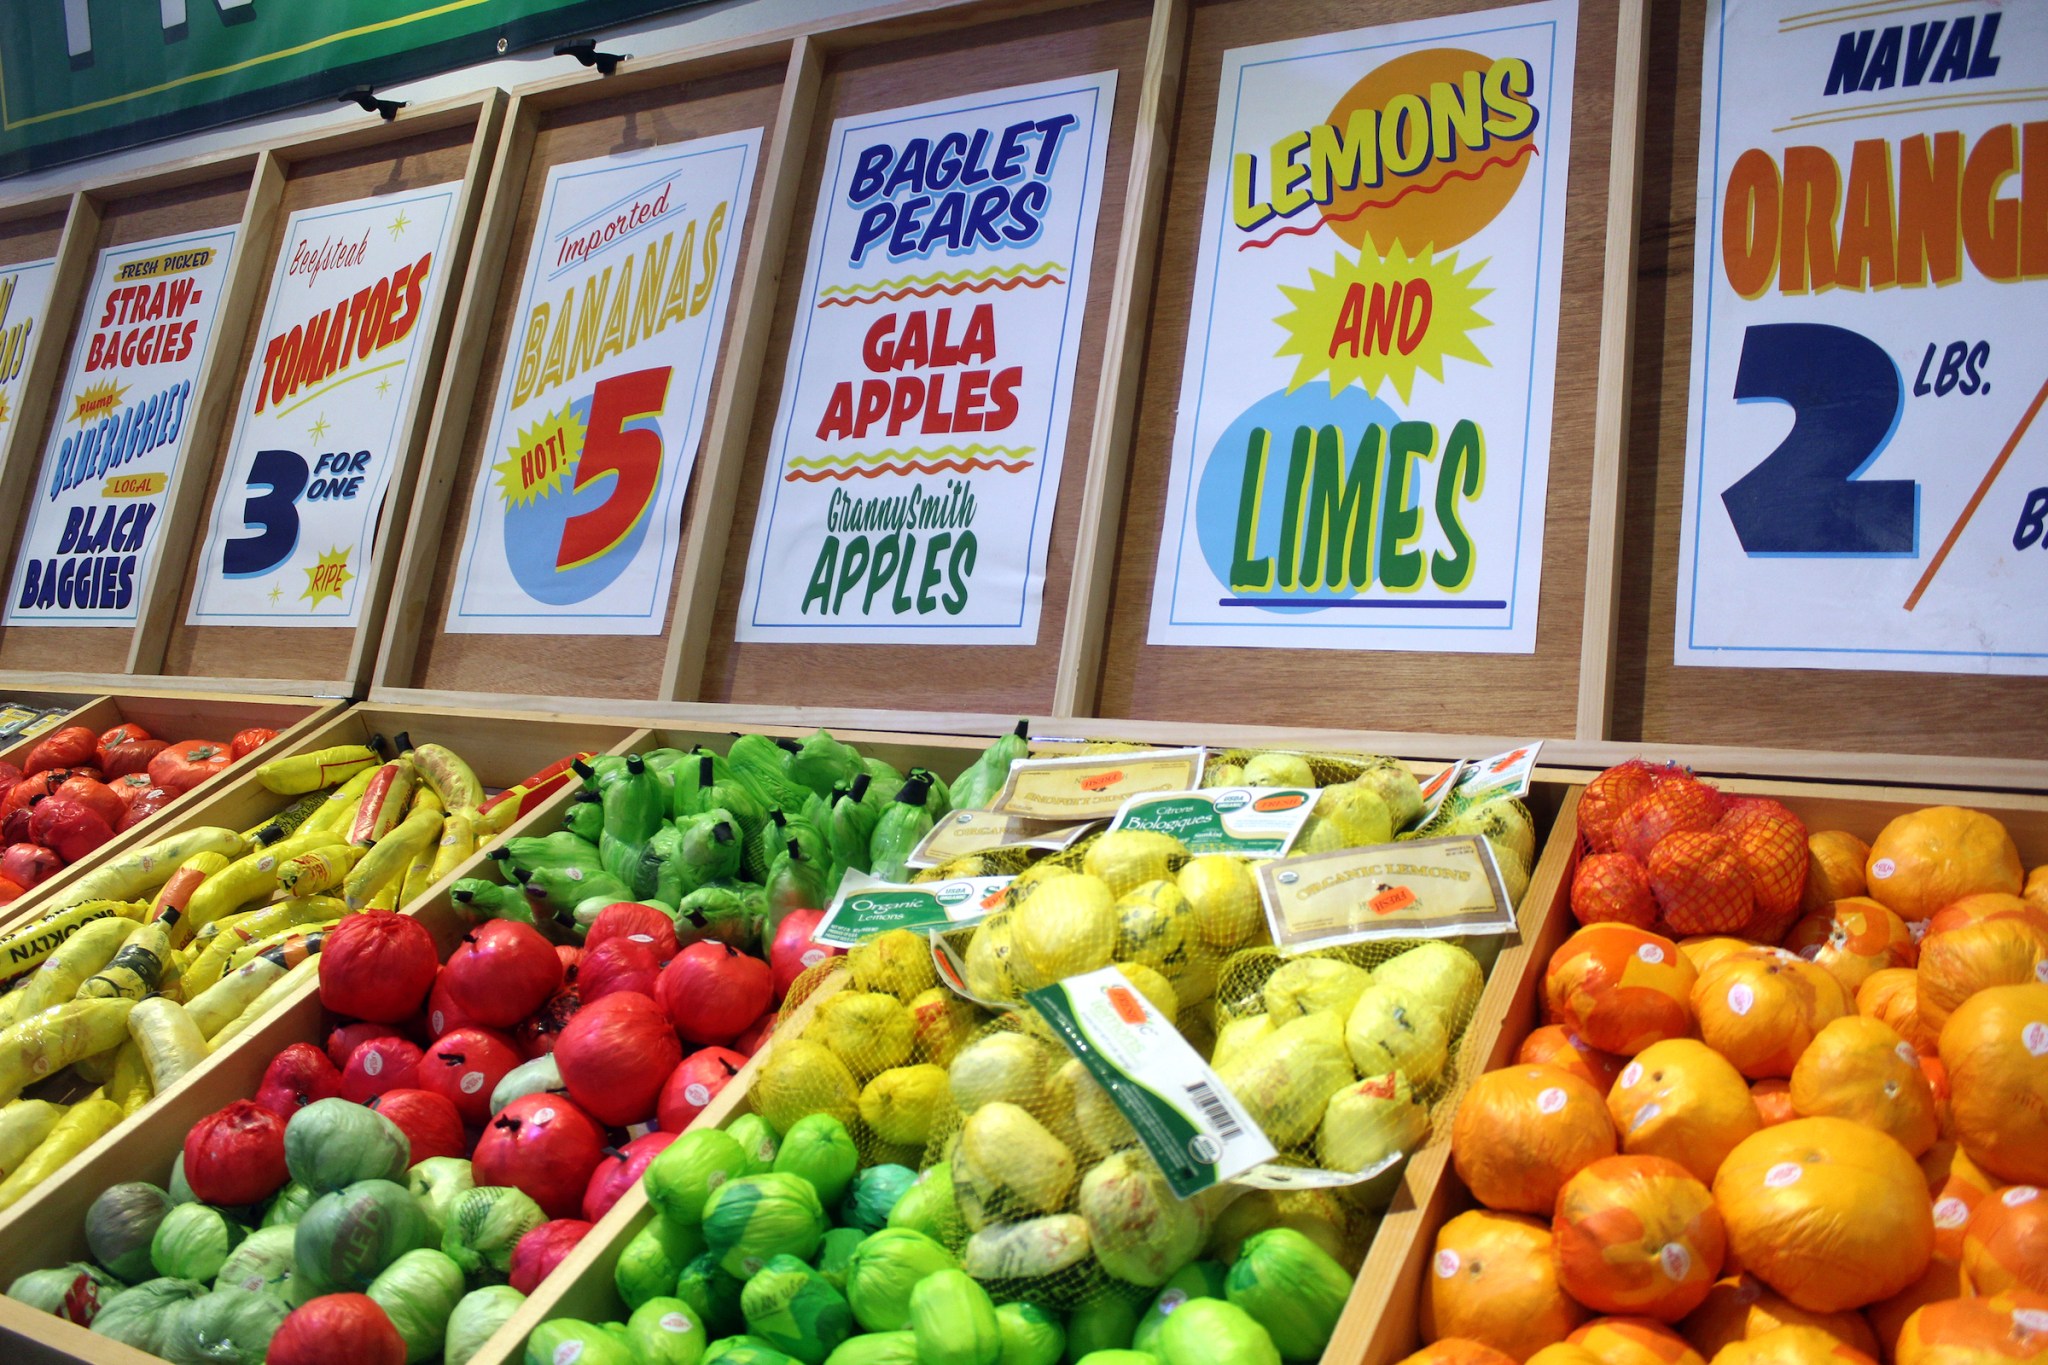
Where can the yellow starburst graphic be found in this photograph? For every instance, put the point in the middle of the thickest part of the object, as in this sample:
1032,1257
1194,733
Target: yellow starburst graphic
539,463
1373,320
97,400
327,578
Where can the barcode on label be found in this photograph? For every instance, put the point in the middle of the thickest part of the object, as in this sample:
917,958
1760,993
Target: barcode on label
1214,1111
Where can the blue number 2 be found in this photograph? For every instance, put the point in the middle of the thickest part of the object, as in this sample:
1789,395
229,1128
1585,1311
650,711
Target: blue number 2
1805,498
283,477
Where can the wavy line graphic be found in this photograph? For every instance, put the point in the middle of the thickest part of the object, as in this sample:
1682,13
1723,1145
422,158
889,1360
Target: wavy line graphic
944,277
1413,187
859,457
910,467
977,287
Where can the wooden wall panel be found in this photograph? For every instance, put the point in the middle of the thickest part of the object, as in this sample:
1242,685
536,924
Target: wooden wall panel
401,163
912,70
592,123
32,238
1656,701
1468,693
214,201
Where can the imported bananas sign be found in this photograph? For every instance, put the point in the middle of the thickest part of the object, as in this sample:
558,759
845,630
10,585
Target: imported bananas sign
119,431
1362,448
575,514
923,419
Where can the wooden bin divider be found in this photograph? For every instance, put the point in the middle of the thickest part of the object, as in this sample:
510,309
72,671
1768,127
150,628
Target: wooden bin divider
168,713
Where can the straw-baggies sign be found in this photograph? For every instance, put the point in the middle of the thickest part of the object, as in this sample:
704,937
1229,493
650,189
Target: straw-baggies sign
1363,441
121,426
917,450
577,511
339,361
1866,479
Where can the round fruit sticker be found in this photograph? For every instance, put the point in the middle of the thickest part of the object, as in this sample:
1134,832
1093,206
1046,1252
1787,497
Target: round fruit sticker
2035,1038
1741,997
1651,954
472,1081
1676,1260
1550,1100
568,1353
2018,1195
373,1062
1630,1074
1950,1212
696,1094
1783,1174
1447,1263
1883,867
675,1322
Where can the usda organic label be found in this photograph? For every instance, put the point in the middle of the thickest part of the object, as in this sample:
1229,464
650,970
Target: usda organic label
1251,822
867,906
1191,1124
1475,781
1419,888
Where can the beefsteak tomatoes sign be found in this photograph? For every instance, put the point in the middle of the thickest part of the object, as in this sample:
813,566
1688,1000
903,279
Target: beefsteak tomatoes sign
339,362
24,294
1363,442
910,484
119,432
577,511
1866,479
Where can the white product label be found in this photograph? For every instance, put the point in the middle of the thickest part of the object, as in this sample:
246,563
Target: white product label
2035,1038
472,1081
1676,1260
813,956
373,1062
646,938
1883,867
440,1023
1651,954
1950,1212
696,1095
1170,1300
2018,1195
1550,1100
568,1353
1907,1055
1447,1264
543,1115
1783,1174
676,1322
2031,1319
1741,998
1630,1074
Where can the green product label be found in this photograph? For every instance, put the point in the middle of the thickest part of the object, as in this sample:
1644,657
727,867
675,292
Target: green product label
867,906
1192,1125
1250,822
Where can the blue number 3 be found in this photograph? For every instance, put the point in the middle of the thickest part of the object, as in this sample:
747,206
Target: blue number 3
1805,498
282,475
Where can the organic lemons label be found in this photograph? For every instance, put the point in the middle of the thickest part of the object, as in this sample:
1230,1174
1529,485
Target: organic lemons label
1195,1129
976,831
1423,888
867,906
1250,822
1094,786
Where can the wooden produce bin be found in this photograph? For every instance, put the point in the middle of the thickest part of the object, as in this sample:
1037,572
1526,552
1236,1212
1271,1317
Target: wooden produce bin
1512,1009
582,1285
175,716
503,747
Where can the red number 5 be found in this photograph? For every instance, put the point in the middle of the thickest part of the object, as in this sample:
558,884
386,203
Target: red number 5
610,448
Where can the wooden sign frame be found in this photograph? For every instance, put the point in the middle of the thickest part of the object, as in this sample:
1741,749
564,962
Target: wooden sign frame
425,143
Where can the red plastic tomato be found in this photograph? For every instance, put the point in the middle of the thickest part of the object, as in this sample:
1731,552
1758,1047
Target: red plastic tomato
187,763
388,1063
641,923
428,1120
503,972
295,1078
337,1329
542,1144
614,1056
464,1066
128,786
32,790
132,757
618,1171
68,827
151,801
98,797
236,1155
74,746
713,991
248,741
377,965
127,732
25,864
540,1251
